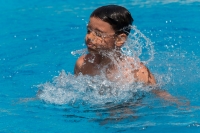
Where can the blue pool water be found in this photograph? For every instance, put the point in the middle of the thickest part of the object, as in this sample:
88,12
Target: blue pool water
38,49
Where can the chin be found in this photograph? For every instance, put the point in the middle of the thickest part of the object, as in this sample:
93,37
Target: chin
90,50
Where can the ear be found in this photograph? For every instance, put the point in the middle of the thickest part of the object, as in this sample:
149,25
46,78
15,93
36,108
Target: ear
121,38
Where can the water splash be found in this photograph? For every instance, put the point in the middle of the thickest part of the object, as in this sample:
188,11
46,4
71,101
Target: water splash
79,52
97,90
138,45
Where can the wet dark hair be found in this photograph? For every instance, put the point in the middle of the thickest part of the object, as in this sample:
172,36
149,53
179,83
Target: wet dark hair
117,16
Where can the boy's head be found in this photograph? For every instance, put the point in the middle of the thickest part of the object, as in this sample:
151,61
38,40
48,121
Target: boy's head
108,28
117,16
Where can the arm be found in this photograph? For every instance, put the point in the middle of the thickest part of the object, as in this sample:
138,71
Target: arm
165,95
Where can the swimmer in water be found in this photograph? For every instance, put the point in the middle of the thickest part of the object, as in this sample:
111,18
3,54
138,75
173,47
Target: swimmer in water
107,31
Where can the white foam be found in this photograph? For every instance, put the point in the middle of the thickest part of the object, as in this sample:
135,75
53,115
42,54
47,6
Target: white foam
69,89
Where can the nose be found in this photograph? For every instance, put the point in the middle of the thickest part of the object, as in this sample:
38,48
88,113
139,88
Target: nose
91,37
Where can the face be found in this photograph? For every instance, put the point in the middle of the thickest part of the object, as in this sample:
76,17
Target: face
100,36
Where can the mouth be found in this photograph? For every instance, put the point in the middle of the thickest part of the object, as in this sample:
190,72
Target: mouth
91,46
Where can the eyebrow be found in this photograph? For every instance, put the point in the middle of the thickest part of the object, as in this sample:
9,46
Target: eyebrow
88,26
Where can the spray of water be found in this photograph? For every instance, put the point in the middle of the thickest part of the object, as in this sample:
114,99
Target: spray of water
97,90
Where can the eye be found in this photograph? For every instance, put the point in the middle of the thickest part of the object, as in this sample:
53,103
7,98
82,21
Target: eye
89,30
99,34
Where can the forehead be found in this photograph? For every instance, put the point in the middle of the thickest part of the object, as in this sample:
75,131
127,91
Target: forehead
98,24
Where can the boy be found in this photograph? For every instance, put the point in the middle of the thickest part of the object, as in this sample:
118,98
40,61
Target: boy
107,31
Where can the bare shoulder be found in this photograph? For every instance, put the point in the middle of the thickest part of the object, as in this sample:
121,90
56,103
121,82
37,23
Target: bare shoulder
143,74
79,64
80,60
